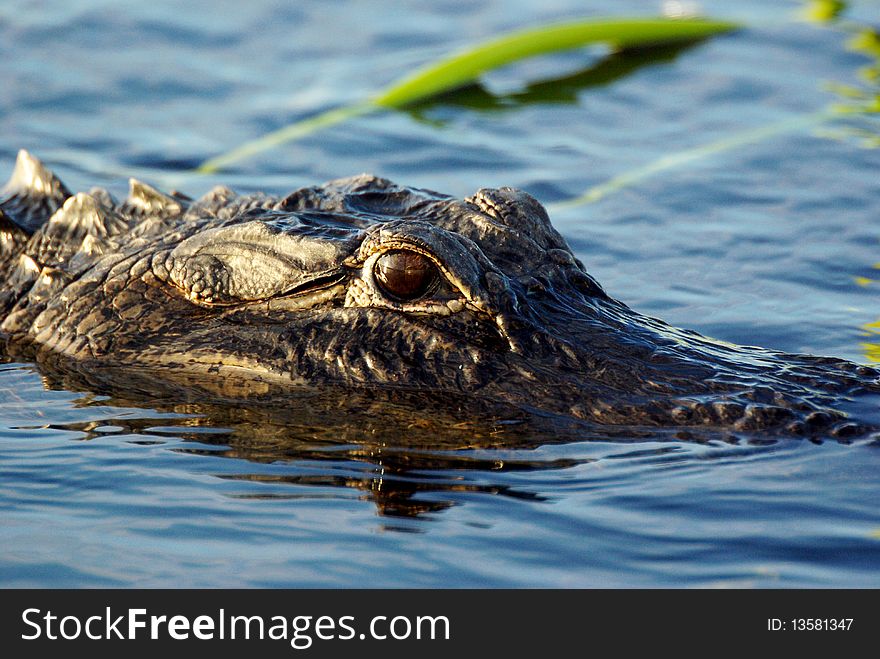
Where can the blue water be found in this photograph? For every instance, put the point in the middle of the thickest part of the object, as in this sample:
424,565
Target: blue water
771,243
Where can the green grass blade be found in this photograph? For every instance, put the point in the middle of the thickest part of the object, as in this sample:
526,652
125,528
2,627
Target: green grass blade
464,67
468,65
680,158
286,134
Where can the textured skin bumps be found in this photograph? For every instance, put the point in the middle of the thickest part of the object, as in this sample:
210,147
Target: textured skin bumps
284,291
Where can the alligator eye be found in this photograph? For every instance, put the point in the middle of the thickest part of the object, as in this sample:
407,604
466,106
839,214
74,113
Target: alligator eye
404,275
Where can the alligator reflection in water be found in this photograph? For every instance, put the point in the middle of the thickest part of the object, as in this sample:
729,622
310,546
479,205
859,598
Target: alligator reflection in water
409,453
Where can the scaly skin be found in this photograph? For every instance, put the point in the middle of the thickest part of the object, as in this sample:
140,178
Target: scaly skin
287,292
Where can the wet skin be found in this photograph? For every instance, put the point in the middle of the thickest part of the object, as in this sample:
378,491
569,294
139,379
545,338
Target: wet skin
364,285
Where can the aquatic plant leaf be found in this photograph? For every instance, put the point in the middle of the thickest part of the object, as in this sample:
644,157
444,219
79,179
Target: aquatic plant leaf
466,66
686,156
823,11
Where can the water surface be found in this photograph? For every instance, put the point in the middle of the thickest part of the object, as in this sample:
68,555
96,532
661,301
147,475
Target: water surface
772,243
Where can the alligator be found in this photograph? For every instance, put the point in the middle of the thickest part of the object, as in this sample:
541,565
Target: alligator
362,284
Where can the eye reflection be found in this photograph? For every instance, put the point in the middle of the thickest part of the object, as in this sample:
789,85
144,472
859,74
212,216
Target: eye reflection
404,275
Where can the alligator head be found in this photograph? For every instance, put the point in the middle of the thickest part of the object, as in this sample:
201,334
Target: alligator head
364,284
